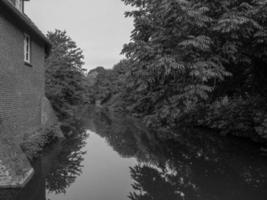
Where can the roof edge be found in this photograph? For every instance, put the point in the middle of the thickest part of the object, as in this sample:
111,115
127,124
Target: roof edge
26,21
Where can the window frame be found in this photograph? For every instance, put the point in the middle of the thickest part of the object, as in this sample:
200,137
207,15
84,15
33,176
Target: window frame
19,5
27,48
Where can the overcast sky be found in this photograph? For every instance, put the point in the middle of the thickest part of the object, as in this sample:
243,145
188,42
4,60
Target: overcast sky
97,26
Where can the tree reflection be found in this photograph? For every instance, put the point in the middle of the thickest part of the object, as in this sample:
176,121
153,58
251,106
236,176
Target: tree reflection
119,134
201,175
67,165
194,164
153,184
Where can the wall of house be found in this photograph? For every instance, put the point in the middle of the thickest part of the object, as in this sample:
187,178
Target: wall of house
21,86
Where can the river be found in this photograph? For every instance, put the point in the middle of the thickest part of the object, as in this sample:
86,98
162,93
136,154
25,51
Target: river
114,157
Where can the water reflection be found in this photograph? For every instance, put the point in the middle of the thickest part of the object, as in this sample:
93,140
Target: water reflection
151,183
193,165
66,166
55,171
196,165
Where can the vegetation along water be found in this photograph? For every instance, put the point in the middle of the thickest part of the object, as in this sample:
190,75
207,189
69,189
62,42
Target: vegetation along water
194,72
183,116
113,157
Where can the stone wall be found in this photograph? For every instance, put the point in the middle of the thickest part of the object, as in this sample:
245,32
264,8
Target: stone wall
15,169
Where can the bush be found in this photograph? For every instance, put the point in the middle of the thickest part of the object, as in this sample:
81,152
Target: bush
33,143
238,116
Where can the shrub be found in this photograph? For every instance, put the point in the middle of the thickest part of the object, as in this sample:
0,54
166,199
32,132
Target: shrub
237,116
33,143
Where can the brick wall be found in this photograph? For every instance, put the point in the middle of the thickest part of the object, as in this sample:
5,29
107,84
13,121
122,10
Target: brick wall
21,86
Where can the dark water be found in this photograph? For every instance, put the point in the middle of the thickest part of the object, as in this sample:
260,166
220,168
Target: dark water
116,158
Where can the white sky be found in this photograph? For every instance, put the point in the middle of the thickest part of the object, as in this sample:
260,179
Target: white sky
97,26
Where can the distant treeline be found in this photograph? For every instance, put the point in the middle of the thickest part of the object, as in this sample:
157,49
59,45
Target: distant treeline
192,63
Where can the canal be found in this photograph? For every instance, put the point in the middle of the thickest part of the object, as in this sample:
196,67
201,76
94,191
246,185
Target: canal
114,157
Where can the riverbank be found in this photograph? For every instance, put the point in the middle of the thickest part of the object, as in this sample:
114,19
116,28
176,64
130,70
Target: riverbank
230,118
200,163
20,144
34,143
214,77
244,116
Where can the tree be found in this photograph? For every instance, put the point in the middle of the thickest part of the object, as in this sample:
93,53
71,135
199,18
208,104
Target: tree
187,53
107,83
65,79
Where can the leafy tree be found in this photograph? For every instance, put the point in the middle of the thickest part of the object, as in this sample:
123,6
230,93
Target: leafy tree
173,52
193,62
107,83
240,34
65,79
102,84
186,53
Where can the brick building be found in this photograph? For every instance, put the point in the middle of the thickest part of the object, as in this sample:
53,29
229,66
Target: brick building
23,49
22,54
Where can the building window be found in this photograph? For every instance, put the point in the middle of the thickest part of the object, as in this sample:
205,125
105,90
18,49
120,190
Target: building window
27,48
19,5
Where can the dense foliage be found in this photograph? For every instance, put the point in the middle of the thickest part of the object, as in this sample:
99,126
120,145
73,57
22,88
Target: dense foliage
107,85
65,78
189,54
183,167
198,62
